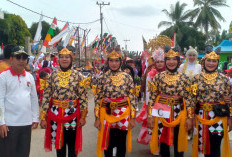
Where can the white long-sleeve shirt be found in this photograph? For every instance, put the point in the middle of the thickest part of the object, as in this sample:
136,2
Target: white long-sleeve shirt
18,99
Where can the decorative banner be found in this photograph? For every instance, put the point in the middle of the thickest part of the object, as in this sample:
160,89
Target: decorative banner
49,35
68,36
37,34
174,40
230,27
59,36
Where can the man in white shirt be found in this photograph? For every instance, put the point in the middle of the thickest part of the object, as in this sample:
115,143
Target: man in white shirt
19,109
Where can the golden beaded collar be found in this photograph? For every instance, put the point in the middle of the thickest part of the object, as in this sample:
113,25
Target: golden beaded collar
171,79
117,80
63,77
209,78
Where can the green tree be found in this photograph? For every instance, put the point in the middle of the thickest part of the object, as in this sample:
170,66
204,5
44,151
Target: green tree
45,28
13,30
177,16
215,38
207,15
187,36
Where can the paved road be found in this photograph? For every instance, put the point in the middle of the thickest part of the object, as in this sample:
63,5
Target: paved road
89,140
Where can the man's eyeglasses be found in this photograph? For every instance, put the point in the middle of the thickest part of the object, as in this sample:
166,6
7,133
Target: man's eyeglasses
23,57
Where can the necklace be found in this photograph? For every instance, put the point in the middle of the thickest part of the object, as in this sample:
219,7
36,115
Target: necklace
63,77
171,79
210,78
117,80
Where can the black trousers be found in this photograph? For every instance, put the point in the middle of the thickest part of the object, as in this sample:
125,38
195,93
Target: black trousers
17,143
117,138
215,145
165,149
69,140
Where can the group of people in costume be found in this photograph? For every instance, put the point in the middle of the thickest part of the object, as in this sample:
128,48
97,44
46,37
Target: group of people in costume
183,98
179,97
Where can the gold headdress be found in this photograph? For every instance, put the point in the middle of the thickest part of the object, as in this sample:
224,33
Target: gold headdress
212,55
114,55
65,51
172,53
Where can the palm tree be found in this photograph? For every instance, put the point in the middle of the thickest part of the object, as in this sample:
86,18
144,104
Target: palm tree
177,15
206,15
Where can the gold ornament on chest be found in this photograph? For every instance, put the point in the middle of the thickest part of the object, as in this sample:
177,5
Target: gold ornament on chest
117,80
63,77
210,78
171,79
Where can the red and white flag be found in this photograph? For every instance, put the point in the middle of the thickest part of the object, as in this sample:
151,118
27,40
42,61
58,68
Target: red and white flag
161,110
174,40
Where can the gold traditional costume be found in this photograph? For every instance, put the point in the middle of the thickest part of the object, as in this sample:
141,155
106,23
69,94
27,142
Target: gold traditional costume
172,89
64,103
114,104
209,91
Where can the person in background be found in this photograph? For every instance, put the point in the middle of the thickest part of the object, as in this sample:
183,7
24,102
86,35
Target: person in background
32,66
190,67
158,66
5,63
43,76
182,59
19,109
129,70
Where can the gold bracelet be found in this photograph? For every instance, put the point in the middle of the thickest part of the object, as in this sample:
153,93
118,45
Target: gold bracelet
230,111
190,112
133,113
43,115
84,113
97,112
149,110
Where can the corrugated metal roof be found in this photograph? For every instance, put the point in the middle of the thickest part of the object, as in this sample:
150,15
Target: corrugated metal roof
226,46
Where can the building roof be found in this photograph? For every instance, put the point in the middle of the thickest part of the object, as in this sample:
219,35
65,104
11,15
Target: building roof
226,46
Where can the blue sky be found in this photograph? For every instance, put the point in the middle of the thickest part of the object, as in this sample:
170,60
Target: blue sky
125,19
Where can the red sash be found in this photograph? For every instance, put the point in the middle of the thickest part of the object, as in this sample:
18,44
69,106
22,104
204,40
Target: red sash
60,120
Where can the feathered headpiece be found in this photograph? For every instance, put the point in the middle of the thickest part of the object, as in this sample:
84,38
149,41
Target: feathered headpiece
158,55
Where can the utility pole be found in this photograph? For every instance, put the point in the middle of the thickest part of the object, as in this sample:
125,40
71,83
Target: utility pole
101,16
126,40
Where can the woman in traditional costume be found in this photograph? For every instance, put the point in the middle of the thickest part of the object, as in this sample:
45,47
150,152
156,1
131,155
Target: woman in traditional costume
114,108
212,117
190,67
158,67
64,107
170,109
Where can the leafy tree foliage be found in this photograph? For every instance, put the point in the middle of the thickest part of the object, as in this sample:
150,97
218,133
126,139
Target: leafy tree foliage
13,30
186,36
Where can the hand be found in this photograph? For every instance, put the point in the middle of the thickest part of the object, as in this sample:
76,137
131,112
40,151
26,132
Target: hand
227,99
3,131
97,124
229,123
189,124
82,122
131,124
150,122
43,124
34,125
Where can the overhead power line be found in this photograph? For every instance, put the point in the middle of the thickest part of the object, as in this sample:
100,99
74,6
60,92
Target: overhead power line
77,23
